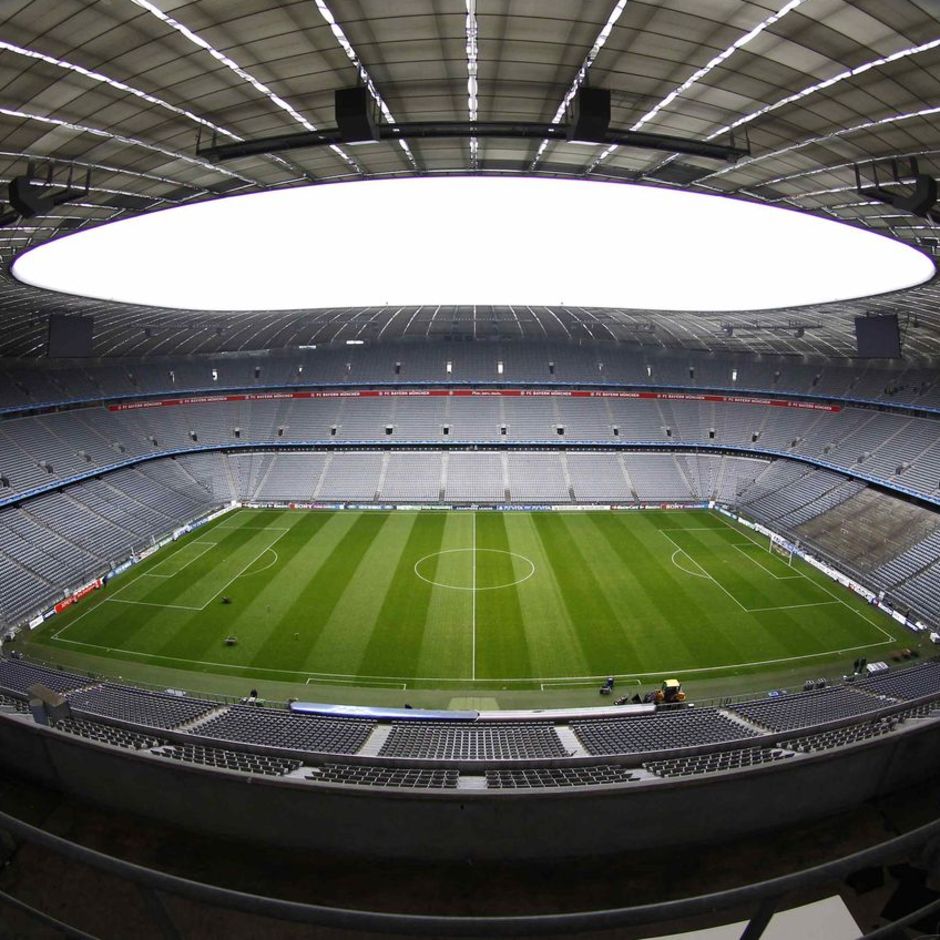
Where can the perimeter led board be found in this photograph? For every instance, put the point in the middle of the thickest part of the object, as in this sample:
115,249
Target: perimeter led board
473,240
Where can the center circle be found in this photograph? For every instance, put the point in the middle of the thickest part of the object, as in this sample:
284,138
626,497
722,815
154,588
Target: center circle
472,573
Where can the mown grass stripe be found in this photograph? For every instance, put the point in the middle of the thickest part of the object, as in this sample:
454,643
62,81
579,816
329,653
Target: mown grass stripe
321,572
582,594
256,608
340,648
501,634
552,639
396,634
670,615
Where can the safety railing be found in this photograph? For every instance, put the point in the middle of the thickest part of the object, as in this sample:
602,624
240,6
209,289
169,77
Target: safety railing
761,899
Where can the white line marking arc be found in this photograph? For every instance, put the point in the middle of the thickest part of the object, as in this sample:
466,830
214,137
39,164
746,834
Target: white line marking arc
474,587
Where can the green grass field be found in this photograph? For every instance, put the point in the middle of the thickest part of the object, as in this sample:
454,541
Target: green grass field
474,601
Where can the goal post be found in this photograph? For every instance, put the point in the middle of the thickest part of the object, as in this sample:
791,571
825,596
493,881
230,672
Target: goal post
781,547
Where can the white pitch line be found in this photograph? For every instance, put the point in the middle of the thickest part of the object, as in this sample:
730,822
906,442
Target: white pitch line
352,679
779,577
822,587
139,574
756,610
243,569
250,528
180,545
270,564
111,596
372,683
577,683
692,528
704,572
84,613
153,574
121,600
531,679
695,574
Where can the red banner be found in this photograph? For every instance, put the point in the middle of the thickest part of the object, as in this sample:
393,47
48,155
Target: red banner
83,591
474,393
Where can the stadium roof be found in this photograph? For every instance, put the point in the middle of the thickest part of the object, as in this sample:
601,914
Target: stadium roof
125,88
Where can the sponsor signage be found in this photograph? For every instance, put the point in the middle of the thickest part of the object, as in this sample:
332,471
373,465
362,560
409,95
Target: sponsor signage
83,591
119,569
471,393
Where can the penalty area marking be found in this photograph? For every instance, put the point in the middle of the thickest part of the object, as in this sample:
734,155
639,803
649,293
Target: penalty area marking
153,573
840,600
779,577
713,580
693,528
224,586
270,564
474,586
695,574
121,600
748,610
179,547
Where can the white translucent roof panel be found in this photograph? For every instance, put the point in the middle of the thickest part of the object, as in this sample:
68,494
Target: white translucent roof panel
467,240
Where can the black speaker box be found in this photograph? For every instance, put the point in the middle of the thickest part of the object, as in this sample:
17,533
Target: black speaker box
29,200
591,115
353,111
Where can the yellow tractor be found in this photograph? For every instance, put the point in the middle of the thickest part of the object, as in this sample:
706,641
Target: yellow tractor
669,693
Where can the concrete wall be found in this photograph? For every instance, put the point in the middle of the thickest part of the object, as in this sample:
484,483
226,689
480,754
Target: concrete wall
472,824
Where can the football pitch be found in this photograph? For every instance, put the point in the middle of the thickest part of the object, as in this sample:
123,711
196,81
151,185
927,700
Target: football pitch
474,600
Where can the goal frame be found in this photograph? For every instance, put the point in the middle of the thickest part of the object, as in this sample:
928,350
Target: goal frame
781,548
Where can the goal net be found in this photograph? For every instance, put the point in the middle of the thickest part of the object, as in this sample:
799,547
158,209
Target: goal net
781,547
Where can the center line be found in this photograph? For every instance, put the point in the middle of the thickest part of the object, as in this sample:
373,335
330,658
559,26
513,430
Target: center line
473,595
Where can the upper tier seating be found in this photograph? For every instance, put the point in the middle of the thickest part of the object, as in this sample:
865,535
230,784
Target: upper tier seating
31,385
896,448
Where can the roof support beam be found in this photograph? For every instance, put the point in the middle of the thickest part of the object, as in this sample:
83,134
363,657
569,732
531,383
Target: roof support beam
474,129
